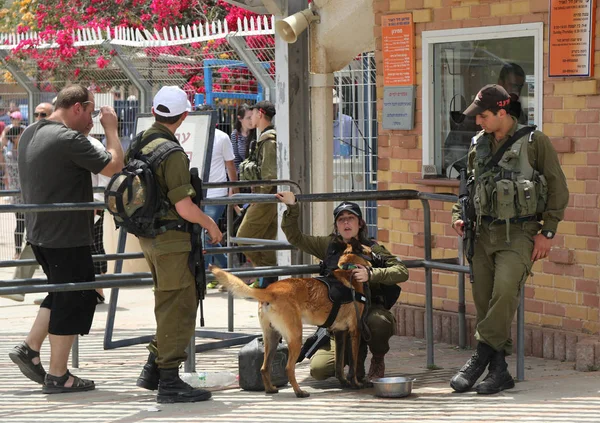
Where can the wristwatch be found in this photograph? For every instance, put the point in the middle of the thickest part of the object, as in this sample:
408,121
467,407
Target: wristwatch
548,234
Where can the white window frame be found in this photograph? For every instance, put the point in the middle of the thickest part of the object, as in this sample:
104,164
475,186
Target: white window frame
430,38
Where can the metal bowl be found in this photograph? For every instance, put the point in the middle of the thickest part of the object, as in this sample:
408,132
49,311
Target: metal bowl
393,387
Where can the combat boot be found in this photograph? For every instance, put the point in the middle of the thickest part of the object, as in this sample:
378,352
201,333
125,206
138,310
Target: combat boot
172,389
377,368
149,377
498,379
473,369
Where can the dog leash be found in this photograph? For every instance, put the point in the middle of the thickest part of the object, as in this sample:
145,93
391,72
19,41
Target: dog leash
361,320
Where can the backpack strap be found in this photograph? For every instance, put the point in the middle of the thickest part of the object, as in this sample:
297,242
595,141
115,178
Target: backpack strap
160,153
141,142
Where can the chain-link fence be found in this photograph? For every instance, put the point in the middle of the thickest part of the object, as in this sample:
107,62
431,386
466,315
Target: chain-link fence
355,132
225,68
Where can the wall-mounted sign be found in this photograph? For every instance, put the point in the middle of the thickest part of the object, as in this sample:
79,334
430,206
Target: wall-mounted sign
398,108
571,38
398,44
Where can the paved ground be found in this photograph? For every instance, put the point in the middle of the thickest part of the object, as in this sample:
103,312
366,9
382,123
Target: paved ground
553,391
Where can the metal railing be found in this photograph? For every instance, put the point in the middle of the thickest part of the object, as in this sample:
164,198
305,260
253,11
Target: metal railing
130,280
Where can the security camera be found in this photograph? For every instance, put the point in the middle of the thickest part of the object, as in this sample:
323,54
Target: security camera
291,27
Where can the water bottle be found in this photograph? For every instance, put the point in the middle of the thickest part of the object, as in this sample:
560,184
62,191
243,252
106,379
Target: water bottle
209,379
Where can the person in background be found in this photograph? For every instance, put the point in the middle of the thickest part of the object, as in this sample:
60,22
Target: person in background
10,152
260,220
4,116
243,134
222,167
512,79
344,131
98,180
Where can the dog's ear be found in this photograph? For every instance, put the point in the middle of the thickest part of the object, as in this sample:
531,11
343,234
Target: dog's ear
366,250
349,249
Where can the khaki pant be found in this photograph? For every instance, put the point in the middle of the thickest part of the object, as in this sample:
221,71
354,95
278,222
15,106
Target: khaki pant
175,304
500,270
380,321
260,221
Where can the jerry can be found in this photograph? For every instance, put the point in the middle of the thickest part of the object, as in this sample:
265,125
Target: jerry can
250,360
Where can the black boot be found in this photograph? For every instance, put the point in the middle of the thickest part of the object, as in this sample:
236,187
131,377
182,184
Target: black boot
172,389
149,377
498,379
473,369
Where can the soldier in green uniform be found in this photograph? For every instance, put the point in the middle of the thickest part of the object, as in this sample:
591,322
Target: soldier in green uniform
260,220
176,299
386,272
518,200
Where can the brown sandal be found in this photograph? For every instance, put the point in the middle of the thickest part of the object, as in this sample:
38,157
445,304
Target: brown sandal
56,384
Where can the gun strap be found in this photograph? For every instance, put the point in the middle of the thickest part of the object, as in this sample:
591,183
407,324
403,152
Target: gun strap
498,155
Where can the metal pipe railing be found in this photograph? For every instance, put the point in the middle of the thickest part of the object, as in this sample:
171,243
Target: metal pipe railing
429,264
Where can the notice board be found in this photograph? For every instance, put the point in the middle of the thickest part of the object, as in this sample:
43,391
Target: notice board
196,135
571,38
398,44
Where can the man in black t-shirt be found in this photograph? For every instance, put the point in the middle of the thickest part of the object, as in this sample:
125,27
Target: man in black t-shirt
55,160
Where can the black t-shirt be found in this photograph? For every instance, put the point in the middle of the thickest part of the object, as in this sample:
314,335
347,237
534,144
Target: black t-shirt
54,167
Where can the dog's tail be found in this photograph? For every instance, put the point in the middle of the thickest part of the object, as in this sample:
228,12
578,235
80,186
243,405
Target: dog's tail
237,286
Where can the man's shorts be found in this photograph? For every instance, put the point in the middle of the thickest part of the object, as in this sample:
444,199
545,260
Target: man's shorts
72,312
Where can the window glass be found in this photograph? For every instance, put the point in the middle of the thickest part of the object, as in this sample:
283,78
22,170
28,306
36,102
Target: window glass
460,70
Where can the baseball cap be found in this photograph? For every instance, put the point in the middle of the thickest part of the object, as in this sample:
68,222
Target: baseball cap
491,96
171,101
348,207
265,107
16,115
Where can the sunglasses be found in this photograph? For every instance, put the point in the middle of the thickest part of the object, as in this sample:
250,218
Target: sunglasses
37,114
95,112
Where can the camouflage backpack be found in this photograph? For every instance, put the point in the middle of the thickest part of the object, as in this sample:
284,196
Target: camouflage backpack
133,196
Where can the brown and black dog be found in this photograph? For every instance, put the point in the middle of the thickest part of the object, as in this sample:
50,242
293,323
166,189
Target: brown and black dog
285,305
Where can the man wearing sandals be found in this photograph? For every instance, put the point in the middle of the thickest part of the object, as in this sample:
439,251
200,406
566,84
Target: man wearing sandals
55,161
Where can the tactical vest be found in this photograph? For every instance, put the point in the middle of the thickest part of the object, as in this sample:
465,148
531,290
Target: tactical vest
510,190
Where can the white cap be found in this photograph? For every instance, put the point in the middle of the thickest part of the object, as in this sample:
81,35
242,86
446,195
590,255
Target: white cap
174,99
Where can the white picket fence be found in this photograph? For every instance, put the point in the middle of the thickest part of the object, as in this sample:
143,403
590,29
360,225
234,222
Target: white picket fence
134,37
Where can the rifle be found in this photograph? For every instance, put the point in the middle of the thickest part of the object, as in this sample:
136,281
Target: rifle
196,261
464,200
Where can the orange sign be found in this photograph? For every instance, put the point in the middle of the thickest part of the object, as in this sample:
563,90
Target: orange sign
571,39
398,42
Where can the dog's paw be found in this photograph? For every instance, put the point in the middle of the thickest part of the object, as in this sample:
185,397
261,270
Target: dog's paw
272,391
366,383
357,385
345,383
302,394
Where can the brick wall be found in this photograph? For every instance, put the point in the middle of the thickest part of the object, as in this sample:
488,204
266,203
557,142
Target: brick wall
564,291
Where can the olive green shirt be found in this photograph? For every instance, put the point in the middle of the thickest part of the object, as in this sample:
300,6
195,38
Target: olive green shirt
543,158
267,160
174,179
394,271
